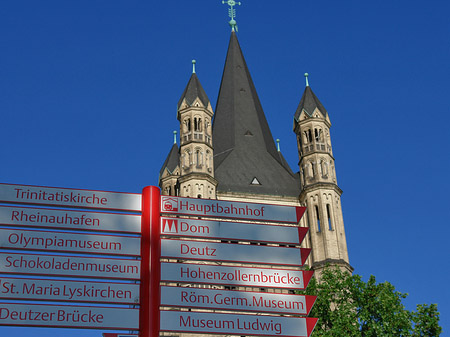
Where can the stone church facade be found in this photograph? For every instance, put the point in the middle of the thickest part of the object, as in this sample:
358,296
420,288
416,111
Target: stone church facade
230,154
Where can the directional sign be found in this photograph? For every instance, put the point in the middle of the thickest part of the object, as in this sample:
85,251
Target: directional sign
231,209
52,218
69,242
58,196
243,253
234,324
236,300
226,230
68,291
58,265
235,276
60,316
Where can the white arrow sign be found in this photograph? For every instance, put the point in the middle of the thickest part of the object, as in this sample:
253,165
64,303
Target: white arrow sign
69,242
236,300
61,316
68,291
243,253
233,324
59,196
232,230
235,276
52,218
231,209
58,265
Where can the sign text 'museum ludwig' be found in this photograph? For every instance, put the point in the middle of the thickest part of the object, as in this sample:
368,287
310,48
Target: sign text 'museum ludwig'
58,196
235,324
68,291
232,230
231,209
64,219
68,316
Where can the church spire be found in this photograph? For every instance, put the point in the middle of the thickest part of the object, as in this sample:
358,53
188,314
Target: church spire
309,103
193,91
243,144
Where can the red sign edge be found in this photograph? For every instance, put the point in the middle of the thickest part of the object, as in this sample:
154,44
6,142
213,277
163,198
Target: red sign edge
305,254
310,300
302,231
299,211
310,324
307,275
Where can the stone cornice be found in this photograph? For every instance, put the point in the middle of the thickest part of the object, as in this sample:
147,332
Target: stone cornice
319,185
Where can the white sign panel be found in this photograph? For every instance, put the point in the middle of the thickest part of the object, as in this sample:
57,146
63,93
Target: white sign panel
52,218
58,196
234,324
232,230
244,253
236,300
58,265
69,242
68,291
231,209
235,276
60,316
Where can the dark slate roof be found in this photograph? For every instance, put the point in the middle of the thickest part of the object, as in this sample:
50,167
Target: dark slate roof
193,90
309,103
243,144
172,160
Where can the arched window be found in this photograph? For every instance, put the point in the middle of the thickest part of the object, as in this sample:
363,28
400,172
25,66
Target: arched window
313,169
324,167
318,135
207,159
207,126
317,217
187,125
197,124
187,158
198,157
305,137
330,226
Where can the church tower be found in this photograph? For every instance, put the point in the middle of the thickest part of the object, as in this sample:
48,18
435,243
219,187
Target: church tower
196,161
319,192
245,164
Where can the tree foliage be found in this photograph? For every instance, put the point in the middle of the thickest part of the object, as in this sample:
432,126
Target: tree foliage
348,306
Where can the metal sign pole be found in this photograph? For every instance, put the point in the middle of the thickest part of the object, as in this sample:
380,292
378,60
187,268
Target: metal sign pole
151,266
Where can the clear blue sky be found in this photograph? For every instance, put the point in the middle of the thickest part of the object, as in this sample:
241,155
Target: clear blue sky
88,93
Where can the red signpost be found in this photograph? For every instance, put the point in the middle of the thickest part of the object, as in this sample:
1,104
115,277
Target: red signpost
151,266
194,241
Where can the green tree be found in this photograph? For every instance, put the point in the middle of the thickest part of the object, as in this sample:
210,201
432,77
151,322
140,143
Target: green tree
426,320
348,306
